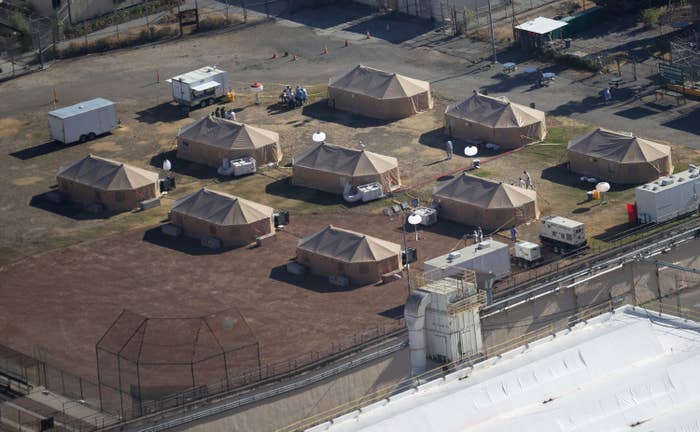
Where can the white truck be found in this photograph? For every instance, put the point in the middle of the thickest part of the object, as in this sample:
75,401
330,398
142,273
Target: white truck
562,234
83,121
527,254
200,87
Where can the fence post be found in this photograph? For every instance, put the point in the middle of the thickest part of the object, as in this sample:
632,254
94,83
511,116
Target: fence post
245,11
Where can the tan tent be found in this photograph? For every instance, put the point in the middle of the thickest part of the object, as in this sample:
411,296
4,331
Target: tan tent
211,139
117,186
378,94
336,251
619,157
328,168
235,221
486,203
496,120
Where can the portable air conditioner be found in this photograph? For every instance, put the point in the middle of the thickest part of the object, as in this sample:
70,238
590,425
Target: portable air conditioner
371,191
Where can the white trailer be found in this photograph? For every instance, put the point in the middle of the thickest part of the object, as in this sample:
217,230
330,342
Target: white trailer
83,121
563,234
200,87
489,256
668,197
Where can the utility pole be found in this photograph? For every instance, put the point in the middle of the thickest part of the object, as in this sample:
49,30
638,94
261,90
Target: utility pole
493,40
405,253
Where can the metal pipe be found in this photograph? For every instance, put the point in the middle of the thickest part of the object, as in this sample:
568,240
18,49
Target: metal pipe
493,40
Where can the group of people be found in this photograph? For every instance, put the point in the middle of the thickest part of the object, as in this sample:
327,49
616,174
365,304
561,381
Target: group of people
525,181
222,112
294,98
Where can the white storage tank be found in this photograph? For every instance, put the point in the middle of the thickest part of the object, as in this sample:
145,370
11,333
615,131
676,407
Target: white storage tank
668,197
488,256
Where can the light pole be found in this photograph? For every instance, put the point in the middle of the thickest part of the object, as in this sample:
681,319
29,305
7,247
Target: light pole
405,253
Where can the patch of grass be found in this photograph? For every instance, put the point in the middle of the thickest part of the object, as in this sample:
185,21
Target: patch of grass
482,172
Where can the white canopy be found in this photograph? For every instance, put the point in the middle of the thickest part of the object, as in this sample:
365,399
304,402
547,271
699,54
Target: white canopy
206,86
541,25
622,371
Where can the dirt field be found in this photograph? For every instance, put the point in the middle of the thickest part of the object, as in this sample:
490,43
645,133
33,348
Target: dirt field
60,303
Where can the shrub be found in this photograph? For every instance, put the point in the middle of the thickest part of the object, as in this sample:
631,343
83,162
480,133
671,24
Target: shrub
112,42
212,23
650,17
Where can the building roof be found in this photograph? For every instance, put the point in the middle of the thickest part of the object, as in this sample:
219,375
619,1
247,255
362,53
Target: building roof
197,74
221,208
677,180
618,147
541,25
80,107
106,174
227,134
345,161
379,84
485,193
495,112
348,246
469,253
624,371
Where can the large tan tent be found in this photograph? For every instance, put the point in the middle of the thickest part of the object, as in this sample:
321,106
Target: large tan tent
211,139
378,94
496,120
117,186
486,203
235,221
619,157
335,251
328,168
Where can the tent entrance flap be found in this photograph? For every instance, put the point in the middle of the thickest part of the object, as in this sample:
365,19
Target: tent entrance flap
205,86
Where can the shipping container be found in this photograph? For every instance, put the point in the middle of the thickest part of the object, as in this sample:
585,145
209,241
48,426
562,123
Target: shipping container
668,197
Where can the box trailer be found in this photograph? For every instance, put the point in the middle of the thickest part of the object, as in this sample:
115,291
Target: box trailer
668,197
488,256
200,87
562,234
83,121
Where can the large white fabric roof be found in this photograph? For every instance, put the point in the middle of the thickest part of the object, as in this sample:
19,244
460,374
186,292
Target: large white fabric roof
541,25
624,371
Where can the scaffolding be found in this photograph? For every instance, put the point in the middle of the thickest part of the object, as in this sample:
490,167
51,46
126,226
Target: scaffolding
149,359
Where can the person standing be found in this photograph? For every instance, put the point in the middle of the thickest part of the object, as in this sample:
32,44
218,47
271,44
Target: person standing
514,234
528,181
607,95
521,182
449,149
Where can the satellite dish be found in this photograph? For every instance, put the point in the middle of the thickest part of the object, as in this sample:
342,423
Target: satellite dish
167,166
414,219
318,137
602,187
470,151
256,87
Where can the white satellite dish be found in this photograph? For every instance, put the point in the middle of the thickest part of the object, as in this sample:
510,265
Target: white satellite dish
602,187
414,219
318,137
470,151
167,166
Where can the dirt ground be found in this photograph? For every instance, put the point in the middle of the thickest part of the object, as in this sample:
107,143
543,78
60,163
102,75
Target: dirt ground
60,303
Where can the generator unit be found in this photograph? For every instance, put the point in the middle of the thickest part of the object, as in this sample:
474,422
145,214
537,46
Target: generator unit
562,234
428,215
237,167
527,254
371,191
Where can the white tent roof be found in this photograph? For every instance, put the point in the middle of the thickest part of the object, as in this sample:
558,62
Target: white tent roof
541,25
624,371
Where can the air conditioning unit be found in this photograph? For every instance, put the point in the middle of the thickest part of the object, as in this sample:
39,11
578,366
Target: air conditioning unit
281,217
429,216
243,166
409,255
371,191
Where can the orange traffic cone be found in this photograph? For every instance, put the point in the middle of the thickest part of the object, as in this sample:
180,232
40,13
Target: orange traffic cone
274,55
369,35
347,43
325,50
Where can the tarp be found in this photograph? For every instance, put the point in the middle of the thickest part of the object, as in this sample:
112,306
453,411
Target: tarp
486,203
541,25
496,120
328,167
233,220
221,208
619,157
106,174
375,93
117,186
359,257
348,246
211,139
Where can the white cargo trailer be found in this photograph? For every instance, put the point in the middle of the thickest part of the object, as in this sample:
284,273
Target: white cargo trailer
200,87
83,121
668,197
488,256
563,234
